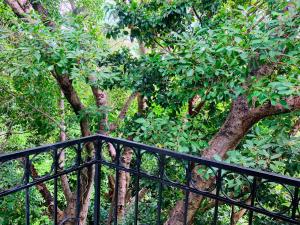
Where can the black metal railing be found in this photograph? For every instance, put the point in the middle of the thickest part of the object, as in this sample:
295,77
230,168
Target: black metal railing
261,193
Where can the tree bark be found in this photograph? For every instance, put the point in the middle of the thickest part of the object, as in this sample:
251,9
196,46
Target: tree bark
20,8
124,180
61,161
125,108
101,102
141,99
44,191
296,128
240,119
194,109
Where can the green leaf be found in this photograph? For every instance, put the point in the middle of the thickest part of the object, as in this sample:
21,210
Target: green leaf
140,120
278,155
284,104
190,73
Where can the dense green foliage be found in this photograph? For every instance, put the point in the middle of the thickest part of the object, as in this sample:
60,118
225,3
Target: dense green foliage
205,52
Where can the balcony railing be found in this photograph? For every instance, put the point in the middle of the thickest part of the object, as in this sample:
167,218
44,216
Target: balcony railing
234,186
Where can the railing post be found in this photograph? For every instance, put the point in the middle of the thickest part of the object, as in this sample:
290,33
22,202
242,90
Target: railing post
137,186
218,181
295,202
187,193
78,188
117,185
55,157
97,182
160,187
253,194
27,190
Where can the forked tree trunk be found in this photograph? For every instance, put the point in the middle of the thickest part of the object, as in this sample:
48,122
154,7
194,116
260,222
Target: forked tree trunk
240,119
232,131
87,174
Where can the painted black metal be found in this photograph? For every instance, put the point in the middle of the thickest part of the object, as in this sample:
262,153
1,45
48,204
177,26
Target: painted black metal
187,193
117,184
97,184
255,178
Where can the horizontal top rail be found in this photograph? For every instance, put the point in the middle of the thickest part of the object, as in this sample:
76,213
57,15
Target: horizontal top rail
45,148
207,162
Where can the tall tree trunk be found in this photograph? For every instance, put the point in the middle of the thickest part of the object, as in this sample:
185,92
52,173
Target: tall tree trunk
240,119
124,177
61,161
69,195
124,180
101,102
87,174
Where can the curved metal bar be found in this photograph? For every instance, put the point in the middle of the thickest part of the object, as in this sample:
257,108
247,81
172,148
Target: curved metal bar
241,194
261,205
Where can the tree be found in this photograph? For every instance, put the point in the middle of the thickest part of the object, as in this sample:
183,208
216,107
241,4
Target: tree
61,55
213,72
240,55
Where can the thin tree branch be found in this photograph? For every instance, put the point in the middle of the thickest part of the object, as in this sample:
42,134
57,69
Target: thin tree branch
64,178
123,111
131,201
11,132
44,191
257,5
193,111
126,106
239,214
162,47
254,25
268,109
197,15
296,128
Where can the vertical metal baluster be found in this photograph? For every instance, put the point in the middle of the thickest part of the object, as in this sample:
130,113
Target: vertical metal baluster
232,215
117,186
295,202
253,193
78,194
219,181
55,185
27,193
137,187
187,193
161,175
97,184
